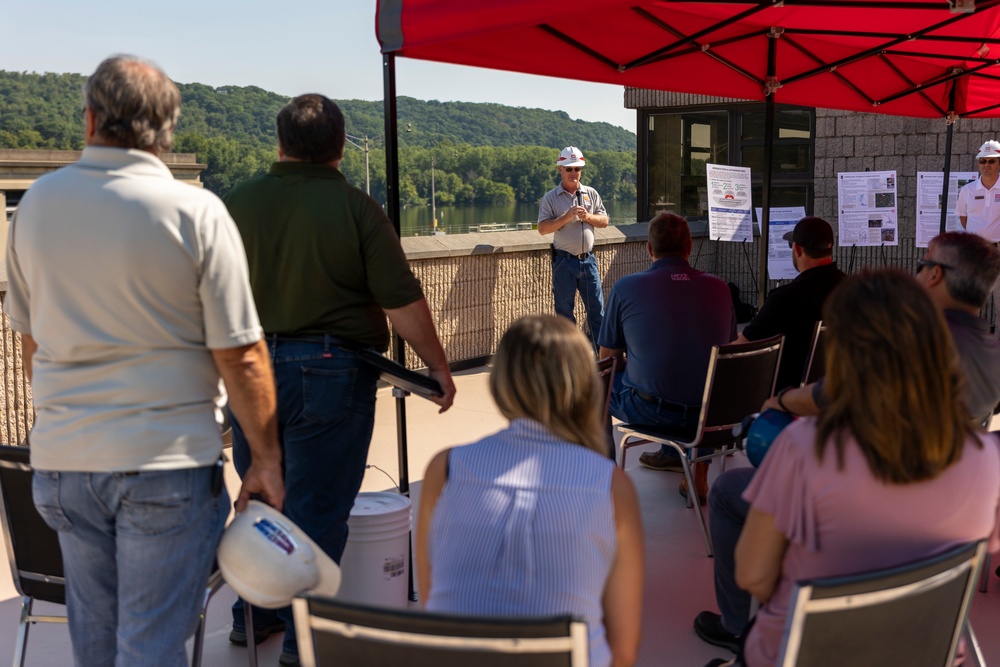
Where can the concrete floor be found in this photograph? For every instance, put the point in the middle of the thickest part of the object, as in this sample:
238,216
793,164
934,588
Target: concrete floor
678,574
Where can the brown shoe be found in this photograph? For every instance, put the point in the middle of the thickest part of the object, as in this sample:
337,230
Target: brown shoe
700,481
659,461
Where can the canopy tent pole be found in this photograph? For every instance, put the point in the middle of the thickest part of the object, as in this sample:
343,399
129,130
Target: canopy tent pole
392,210
770,87
950,120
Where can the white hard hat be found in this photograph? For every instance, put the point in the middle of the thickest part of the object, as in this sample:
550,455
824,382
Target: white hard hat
570,157
268,560
990,148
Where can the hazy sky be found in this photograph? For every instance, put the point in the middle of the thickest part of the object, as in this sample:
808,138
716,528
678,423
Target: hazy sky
286,47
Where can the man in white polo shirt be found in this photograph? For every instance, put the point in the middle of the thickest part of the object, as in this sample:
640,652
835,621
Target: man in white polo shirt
571,211
130,292
978,206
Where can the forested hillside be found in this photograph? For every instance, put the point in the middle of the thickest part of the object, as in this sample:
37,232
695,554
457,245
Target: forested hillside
482,153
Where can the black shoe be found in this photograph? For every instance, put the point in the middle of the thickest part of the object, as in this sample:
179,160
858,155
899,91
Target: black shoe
717,662
239,635
708,626
288,659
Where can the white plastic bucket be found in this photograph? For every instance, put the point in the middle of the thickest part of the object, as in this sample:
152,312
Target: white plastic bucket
376,560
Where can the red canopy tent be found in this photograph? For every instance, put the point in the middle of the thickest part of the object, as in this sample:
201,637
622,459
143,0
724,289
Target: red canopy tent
922,58
900,57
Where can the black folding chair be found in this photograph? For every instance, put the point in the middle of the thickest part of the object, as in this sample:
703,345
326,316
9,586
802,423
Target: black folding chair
606,371
816,363
35,557
739,379
910,615
338,633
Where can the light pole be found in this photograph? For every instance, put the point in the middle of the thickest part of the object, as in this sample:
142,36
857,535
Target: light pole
434,217
368,176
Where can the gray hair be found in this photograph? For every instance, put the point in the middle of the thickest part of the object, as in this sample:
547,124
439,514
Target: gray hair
974,266
135,104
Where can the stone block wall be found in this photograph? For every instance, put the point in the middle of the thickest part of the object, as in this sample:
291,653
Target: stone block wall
852,141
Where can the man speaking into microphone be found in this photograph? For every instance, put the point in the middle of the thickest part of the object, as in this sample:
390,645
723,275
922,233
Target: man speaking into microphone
571,211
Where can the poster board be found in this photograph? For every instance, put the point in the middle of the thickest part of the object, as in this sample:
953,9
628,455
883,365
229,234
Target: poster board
929,185
867,212
729,205
779,255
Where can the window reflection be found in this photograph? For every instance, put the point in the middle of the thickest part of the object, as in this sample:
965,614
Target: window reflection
679,145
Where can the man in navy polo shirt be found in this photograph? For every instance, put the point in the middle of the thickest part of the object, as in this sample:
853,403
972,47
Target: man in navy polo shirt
661,325
571,211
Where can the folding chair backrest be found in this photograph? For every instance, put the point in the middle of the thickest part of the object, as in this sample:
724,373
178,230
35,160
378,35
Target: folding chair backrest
816,363
606,371
32,547
910,615
741,377
336,633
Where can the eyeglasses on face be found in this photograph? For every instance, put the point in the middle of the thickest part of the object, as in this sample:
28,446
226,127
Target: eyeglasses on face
573,168
987,160
929,263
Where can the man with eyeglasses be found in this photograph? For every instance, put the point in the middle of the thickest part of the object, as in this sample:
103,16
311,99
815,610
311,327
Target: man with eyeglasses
571,211
958,271
978,206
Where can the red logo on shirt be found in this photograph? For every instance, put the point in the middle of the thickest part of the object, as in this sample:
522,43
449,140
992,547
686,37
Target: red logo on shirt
679,276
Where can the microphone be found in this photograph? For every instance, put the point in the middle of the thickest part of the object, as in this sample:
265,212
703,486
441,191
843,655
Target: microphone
579,197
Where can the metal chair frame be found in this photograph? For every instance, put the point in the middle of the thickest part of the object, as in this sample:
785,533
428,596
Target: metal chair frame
718,417
372,635
816,363
859,619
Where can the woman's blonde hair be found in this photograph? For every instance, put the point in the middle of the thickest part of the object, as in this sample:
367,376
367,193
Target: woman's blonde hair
544,370
893,378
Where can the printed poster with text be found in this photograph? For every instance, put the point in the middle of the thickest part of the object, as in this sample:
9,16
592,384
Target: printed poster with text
729,205
868,214
929,184
779,254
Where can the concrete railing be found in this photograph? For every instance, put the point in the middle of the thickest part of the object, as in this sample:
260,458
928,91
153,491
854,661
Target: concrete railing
477,284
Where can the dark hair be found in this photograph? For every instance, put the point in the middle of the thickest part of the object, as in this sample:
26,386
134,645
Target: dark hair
669,236
135,105
311,129
974,266
893,379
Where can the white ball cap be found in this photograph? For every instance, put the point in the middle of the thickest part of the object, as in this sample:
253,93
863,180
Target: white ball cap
268,560
990,148
570,157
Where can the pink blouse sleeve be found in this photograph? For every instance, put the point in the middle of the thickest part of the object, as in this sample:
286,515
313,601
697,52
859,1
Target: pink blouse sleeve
781,485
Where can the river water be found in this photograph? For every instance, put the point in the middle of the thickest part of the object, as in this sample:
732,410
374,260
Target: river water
416,221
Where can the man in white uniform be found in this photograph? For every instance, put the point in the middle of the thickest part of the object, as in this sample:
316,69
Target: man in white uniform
978,206
130,292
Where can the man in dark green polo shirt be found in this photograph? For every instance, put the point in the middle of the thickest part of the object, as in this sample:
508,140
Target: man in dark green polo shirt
326,268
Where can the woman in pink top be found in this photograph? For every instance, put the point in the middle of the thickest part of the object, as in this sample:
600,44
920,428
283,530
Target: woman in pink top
892,471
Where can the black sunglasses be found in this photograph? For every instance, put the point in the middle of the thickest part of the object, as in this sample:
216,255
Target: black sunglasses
573,168
991,160
928,263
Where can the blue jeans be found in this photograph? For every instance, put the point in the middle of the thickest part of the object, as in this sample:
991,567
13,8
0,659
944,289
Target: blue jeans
635,411
137,550
326,412
727,512
570,275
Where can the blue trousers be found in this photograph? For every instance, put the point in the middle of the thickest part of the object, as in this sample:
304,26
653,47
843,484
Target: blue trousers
571,275
727,513
326,412
137,549
631,409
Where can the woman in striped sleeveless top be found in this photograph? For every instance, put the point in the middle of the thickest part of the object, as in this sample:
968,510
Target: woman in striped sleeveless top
536,519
